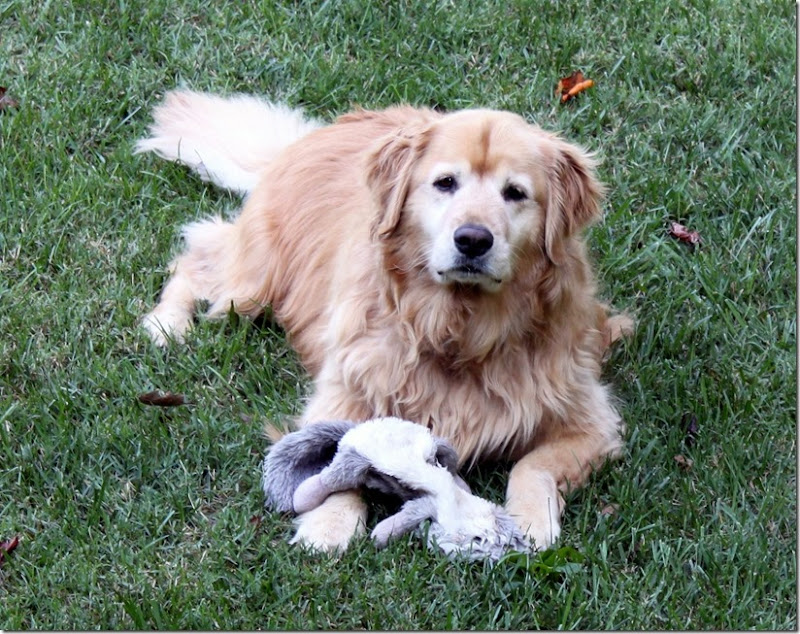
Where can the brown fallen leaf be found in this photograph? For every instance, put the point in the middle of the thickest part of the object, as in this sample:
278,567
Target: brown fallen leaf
569,87
684,462
8,546
162,399
609,509
680,232
690,428
6,102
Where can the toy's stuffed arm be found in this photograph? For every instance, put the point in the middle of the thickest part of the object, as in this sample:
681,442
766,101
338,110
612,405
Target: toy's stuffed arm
413,513
347,471
298,456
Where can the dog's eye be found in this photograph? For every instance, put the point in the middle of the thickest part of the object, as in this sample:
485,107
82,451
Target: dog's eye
512,193
447,184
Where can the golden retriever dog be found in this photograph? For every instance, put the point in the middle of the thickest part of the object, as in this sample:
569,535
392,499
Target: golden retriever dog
424,265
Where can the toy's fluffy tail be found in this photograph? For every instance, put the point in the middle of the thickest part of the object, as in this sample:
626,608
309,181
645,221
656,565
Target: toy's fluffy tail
227,141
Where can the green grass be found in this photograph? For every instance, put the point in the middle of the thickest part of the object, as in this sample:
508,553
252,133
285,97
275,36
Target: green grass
137,518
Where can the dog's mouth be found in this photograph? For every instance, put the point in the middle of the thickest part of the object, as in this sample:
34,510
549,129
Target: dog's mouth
470,273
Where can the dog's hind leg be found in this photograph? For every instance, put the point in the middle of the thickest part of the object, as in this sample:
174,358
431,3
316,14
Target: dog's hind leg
210,268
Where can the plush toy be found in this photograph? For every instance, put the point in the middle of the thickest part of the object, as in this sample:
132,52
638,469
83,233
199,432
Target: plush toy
394,457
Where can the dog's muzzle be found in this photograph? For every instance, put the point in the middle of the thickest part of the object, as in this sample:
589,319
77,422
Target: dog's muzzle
472,258
473,240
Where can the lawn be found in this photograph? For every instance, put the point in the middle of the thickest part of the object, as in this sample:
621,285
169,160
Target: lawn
137,517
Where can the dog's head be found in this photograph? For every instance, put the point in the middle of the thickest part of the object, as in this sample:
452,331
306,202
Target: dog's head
482,188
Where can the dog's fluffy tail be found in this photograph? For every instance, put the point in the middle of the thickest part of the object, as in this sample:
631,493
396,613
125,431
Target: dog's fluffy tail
227,141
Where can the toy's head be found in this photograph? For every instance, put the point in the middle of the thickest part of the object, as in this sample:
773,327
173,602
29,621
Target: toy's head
484,531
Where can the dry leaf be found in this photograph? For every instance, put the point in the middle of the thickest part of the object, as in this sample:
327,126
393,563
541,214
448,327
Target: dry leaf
8,546
569,87
677,230
6,102
684,462
690,428
609,509
162,399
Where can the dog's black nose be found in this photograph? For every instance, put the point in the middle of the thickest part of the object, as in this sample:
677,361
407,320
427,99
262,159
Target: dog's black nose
473,240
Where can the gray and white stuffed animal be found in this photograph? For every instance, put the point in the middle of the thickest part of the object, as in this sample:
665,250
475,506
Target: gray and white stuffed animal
394,457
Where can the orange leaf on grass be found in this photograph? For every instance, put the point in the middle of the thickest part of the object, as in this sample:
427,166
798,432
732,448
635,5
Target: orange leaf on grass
7,546
569,87
680,232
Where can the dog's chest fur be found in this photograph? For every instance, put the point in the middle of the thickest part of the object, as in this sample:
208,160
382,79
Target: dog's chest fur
490,405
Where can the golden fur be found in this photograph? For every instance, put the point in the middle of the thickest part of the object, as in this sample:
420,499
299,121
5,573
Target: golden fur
344,235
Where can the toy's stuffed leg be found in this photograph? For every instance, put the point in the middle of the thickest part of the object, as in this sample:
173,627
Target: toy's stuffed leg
333,524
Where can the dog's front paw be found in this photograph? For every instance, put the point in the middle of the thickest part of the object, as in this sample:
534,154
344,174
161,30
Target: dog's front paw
165,325
332,525
542,529
537,511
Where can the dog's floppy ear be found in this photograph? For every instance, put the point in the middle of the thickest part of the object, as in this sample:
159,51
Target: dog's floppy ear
574,196
389,169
